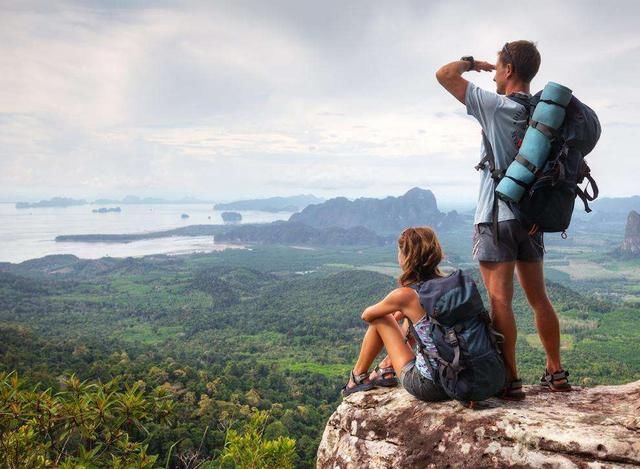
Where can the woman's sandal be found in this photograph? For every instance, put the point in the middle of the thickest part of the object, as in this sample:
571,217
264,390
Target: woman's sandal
512,391
556,382
359,385
385,377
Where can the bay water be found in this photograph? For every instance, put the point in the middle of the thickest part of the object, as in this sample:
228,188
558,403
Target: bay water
30,233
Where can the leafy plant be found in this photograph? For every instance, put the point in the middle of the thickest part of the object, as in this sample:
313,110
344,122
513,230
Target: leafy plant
86,424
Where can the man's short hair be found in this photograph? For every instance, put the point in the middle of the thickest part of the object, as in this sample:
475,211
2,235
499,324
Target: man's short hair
523,56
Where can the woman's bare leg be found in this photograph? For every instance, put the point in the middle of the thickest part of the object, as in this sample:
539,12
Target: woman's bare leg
371,346
385,332
386,361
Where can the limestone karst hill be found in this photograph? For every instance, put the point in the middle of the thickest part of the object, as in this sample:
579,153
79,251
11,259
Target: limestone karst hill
596,427
631,243
383,216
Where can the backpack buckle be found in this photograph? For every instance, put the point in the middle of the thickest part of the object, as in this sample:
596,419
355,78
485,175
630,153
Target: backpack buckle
452,338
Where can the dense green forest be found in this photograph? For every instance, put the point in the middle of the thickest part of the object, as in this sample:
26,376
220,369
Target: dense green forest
248,342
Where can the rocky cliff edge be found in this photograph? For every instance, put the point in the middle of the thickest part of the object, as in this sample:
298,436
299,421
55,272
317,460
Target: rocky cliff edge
588,428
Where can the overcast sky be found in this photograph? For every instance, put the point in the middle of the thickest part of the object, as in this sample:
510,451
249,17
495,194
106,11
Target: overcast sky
237,99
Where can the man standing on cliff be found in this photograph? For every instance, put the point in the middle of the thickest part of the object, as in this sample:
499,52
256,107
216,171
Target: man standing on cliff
501,243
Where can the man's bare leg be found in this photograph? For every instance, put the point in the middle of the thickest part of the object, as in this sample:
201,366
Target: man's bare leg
498,280
531,277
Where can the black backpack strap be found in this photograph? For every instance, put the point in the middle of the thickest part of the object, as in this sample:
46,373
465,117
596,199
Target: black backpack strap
452,339
594,189
585,173
580,193
496,175
584,194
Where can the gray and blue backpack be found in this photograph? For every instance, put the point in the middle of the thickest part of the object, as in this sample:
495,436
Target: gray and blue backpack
469,362
548,203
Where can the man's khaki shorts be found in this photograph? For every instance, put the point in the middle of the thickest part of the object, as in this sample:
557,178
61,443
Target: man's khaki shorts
514,243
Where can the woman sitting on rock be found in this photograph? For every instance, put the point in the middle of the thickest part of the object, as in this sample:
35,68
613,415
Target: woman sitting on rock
419,254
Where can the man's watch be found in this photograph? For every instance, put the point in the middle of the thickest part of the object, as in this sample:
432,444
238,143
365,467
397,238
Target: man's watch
469,58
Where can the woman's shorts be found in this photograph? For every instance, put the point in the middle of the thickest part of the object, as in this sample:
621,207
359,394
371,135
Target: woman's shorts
419,386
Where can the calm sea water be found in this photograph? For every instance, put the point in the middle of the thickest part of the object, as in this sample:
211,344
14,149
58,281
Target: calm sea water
30,233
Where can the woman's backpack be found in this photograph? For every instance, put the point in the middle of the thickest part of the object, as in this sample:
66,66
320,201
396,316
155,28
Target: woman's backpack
470,366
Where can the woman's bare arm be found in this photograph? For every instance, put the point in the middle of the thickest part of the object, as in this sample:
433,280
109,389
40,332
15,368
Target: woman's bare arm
403,300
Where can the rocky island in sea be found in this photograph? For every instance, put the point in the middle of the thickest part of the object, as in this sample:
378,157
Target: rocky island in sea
231,217
106,210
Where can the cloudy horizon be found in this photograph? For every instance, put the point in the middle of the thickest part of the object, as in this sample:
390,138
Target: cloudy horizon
246,99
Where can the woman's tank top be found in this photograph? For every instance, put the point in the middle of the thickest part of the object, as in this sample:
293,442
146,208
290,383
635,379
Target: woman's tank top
422,329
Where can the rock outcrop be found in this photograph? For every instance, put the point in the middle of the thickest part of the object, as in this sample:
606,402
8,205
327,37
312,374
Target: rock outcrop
631,243
595,427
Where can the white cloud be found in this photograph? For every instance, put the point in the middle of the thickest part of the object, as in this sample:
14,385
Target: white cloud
223,99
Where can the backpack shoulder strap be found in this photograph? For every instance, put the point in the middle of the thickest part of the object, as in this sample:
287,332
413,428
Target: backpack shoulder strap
489,160
522,99
496,174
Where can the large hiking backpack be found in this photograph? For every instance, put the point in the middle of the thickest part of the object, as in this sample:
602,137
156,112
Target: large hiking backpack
548,202
469,361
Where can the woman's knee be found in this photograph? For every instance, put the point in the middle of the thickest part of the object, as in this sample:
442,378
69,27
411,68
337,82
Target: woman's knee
383,321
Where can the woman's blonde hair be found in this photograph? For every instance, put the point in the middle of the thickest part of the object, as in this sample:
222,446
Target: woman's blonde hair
421,254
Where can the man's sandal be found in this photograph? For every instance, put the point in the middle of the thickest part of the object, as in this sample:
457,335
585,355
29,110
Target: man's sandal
512,391
556,382
359,385
385,377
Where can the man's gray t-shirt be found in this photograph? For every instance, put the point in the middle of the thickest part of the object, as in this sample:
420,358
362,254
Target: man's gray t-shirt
504,121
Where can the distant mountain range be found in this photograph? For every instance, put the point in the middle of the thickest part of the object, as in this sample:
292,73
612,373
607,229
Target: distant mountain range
128,200
340,221
617,204
272,204
134,199
294,233
54,202
383,216
606,211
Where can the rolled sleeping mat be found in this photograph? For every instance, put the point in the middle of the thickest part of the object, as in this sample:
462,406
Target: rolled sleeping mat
536,145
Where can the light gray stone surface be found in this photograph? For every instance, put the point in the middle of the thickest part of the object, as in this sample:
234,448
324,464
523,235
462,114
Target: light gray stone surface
588,428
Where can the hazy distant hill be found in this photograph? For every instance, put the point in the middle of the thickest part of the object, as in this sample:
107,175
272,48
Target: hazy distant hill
616,204
272,204
385,216
611,212
54,202
134,199
293,233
